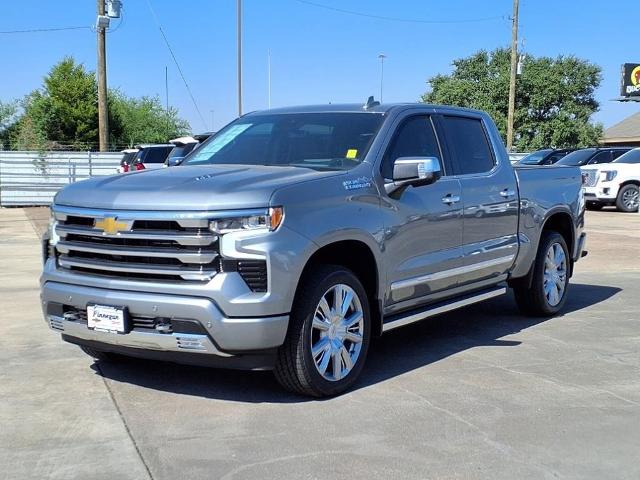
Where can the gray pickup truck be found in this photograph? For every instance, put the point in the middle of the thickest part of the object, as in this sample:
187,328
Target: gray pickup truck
293,237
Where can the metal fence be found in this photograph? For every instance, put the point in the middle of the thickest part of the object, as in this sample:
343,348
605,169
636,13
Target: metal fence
33,178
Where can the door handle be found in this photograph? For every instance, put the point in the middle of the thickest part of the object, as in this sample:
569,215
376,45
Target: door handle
450,199
507,193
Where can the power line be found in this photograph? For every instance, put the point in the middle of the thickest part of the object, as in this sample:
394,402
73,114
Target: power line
175,60
399,19
38,30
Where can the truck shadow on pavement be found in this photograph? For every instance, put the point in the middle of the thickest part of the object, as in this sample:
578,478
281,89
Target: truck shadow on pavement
394,354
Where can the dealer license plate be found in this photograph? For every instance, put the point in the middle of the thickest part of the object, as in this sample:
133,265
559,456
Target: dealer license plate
105,318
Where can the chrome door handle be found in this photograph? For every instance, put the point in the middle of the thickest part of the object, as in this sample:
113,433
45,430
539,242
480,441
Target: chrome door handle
450,199
507,193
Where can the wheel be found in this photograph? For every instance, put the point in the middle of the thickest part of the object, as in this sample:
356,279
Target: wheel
99,355
594,206
550,282
627,200
329,334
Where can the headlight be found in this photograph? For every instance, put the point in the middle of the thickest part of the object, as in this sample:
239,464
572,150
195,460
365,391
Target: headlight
608,175
51,231
268,221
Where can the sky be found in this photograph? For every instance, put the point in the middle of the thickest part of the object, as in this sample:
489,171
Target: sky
318,55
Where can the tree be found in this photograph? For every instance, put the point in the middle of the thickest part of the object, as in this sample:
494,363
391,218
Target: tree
554,97
64,114
144,120
65,110
8,113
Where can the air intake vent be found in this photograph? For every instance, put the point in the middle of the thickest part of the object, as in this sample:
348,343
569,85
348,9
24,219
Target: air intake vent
56,323
191,342
254,272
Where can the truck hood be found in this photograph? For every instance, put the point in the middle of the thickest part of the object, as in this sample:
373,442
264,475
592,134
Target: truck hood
209,187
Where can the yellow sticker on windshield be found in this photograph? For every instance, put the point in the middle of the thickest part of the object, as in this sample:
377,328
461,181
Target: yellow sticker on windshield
352,153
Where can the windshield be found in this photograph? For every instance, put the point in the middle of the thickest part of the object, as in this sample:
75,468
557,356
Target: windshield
632,156
535,158
321,141
577,158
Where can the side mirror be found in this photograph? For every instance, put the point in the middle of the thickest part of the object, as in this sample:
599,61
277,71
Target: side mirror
173,161
414,171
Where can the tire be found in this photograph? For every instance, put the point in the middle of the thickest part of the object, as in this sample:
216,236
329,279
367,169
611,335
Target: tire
99,355
296,368
594,206
536,301
627,200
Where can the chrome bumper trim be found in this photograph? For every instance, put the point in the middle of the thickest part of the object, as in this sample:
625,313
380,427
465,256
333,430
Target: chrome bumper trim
175,342
190,257
181,238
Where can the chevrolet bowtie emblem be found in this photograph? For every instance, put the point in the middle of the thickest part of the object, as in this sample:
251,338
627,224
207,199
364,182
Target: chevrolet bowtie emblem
111,225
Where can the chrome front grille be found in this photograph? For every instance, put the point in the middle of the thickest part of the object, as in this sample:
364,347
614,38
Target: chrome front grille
141,245
590,177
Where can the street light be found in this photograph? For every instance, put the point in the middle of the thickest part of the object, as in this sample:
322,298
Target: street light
381,56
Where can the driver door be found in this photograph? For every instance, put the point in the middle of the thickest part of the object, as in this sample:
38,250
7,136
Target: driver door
423,225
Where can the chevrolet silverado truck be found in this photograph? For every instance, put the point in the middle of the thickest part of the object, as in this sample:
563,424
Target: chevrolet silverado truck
293,237
616,183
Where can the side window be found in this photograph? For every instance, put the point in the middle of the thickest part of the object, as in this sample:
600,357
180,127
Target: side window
414,138
601,157
469,144
616,153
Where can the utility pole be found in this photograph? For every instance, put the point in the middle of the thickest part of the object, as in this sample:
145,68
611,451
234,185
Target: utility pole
512,78
103,117
382,56
239,15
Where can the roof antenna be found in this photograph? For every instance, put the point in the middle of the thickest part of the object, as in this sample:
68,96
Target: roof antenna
370,103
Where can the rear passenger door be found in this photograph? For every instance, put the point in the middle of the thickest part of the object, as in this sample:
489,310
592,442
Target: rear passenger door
490,199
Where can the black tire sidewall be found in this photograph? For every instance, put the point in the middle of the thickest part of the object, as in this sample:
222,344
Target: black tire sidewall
548,239
619,202
319,284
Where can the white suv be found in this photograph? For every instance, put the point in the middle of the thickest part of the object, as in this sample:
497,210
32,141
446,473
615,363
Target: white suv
616,183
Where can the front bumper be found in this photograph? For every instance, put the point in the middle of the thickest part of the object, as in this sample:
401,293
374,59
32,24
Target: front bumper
217,335
604,192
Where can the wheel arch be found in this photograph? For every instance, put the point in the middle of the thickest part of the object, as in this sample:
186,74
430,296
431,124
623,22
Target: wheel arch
359,257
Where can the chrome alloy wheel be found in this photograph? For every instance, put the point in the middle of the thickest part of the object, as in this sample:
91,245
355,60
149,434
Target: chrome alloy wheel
630,199
337,332
555,274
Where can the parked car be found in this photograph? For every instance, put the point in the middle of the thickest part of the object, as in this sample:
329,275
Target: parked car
592,156
546,156
150,157
293,236
128,155
614,184
182,146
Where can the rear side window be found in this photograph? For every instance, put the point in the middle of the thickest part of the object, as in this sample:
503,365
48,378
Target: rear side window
469,144
616,153
415,138
156,155
601,157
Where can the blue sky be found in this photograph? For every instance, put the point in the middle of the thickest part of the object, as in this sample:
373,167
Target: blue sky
317,55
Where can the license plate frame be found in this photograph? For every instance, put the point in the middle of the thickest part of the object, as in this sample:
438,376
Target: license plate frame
108,318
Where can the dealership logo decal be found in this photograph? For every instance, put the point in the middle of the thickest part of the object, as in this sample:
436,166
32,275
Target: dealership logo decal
362,182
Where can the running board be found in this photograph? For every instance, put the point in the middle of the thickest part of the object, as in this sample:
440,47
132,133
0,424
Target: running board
400,320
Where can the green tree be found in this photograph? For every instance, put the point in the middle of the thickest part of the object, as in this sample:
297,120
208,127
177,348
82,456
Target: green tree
64,114
8,112
554,97
144,120
65,109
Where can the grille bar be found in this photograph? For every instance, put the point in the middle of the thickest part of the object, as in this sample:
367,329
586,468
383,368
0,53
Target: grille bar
191,257
182,238
102,266
591,177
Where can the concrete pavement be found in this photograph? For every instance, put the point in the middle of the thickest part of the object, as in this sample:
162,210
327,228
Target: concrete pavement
479,393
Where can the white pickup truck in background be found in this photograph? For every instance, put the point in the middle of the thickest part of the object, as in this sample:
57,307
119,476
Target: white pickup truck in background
616,183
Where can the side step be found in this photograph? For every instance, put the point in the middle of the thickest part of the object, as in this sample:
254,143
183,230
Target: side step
402,319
